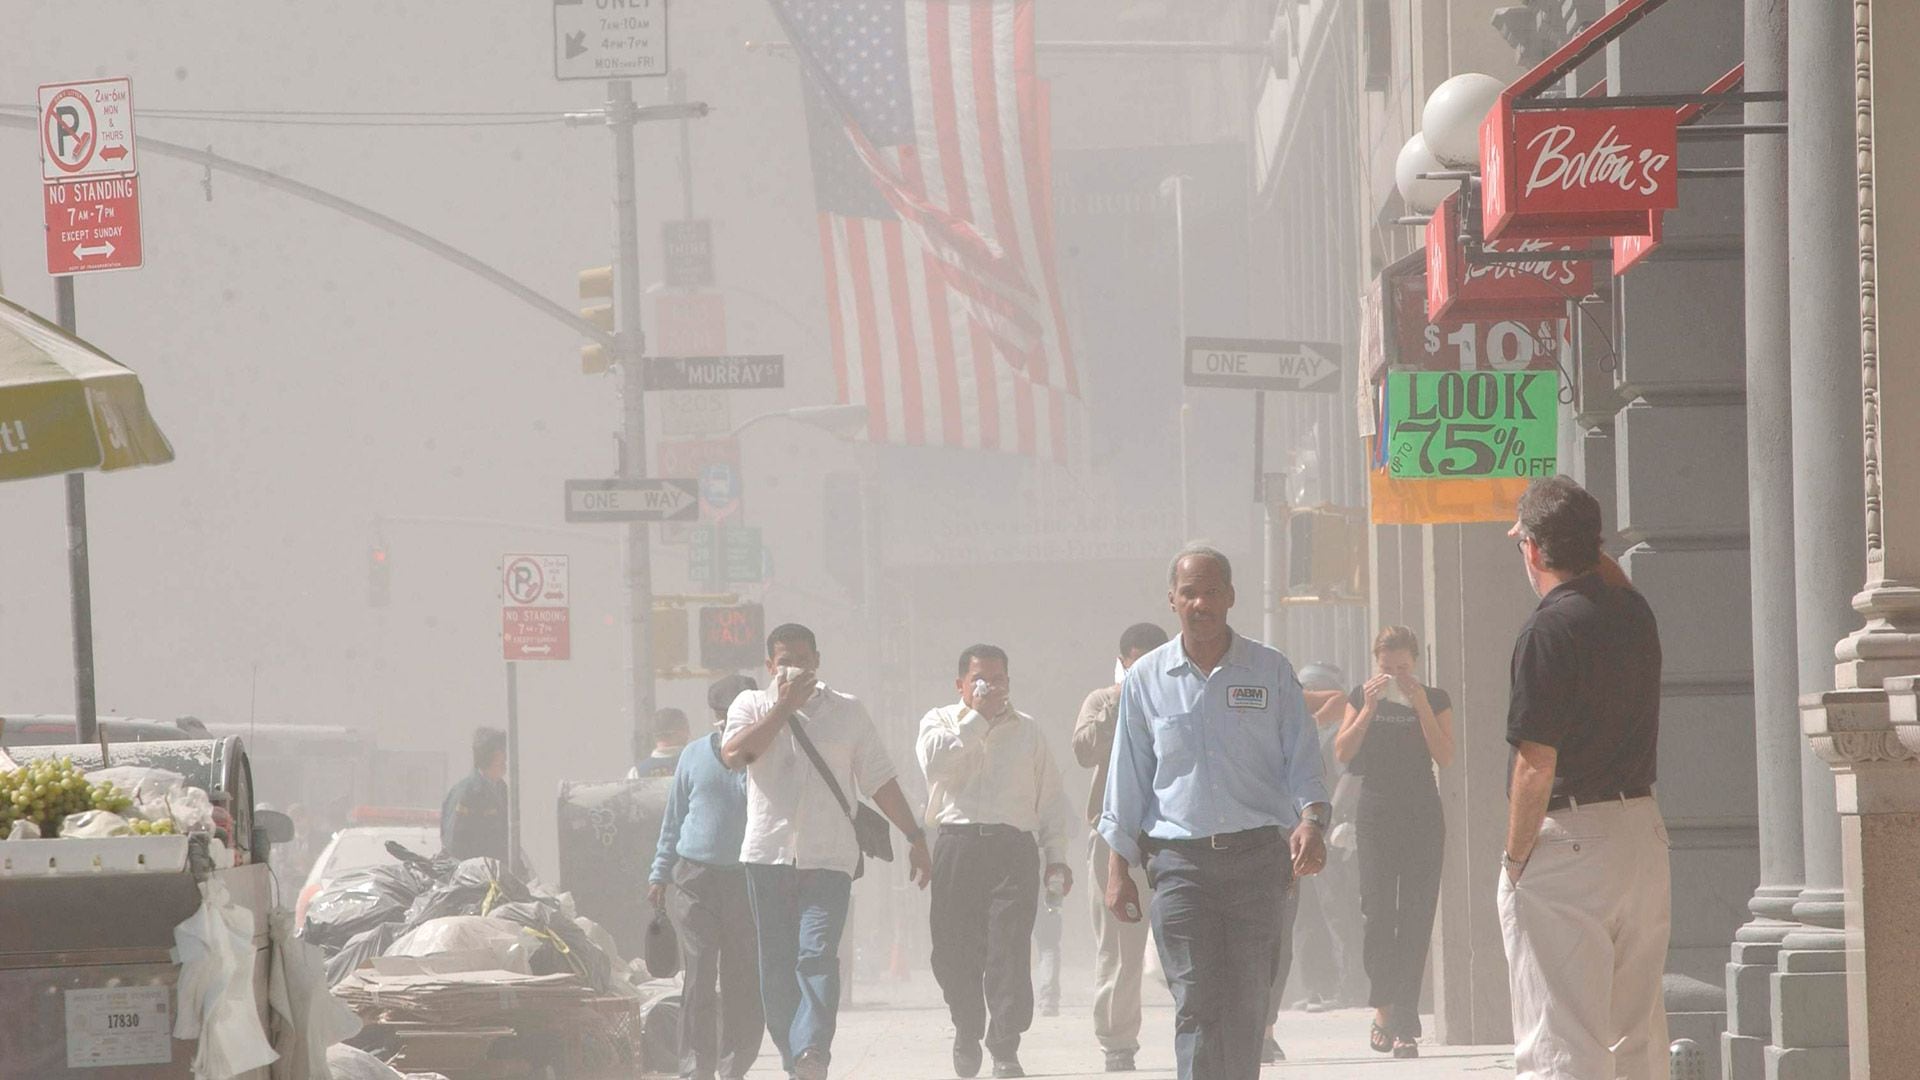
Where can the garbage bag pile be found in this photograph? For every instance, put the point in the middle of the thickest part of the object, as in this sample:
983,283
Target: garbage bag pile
410,948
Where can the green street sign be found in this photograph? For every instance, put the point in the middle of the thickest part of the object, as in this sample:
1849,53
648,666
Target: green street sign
724,556
1458,425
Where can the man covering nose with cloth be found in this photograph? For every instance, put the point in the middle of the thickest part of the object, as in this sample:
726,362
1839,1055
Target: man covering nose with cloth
1217,785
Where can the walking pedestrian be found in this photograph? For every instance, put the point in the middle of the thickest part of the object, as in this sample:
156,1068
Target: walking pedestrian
1120,946
698,880
994,796
1396,730
473,817
800,850
1584,903
1216,785
671,733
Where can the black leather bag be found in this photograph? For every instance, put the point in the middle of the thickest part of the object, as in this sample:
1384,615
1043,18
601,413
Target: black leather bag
870,828
663,947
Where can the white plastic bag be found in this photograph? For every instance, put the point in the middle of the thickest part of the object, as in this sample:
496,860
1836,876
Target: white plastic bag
160,795
214,948
95,823
24,830
349,1063
505,942
307,1020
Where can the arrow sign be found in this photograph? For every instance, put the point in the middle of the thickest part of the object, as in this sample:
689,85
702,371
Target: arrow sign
716,372
576,44
1246,364
632,500
84,252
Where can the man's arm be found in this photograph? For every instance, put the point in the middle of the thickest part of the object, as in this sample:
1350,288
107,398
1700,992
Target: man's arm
893,803
1093,731
951,753
1128,798
664,853
1533,768
748,739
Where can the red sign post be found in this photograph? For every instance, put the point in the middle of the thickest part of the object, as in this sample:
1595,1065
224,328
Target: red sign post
1528,289
91,176
1576,172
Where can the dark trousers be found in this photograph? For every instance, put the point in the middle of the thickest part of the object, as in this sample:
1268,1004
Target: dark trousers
986,891
720,1014
1216,918
1399,889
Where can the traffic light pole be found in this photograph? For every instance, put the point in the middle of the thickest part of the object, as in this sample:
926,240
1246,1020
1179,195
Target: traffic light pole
629,349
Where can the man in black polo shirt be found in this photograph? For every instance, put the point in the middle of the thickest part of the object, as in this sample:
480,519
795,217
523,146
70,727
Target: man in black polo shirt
1584,904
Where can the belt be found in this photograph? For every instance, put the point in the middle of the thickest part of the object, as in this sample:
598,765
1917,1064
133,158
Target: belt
972,829
1233,841
1575,802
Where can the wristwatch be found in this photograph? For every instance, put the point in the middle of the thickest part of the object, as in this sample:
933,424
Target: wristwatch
1318,815
1510,864
916,836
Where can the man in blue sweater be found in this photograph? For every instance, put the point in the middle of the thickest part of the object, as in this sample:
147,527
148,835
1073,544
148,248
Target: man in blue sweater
699,855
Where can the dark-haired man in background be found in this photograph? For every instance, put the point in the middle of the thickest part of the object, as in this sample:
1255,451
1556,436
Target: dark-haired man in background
697,879
1584,904
671,732
800,849
994,794
1121,946
473,818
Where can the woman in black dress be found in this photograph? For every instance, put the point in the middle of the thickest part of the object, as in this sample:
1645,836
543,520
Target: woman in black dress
1395,731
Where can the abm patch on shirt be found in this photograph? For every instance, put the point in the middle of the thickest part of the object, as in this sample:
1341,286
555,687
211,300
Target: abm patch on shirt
1246,697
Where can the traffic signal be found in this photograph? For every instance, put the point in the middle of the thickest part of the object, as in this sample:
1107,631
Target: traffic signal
596,283
730,637
379,578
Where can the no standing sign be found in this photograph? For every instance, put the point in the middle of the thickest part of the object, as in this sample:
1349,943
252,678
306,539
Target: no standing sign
90,175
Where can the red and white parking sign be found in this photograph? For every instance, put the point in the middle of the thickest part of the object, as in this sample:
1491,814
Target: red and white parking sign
533,608
91,176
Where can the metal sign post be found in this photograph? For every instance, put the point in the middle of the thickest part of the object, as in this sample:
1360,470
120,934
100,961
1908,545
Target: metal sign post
513,768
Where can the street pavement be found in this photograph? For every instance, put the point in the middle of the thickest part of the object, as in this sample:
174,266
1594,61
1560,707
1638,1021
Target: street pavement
911,1039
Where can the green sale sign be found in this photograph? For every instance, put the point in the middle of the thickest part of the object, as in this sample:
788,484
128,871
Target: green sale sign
1454,425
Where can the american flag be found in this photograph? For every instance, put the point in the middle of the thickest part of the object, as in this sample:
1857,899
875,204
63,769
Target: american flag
931,174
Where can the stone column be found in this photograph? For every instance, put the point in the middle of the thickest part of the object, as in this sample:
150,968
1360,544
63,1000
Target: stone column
1776,687
1868,728
1809,1033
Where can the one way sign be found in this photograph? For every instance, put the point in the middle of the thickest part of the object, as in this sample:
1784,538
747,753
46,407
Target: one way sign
1242,364
632,500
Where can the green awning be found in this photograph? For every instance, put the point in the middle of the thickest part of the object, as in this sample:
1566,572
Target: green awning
65,406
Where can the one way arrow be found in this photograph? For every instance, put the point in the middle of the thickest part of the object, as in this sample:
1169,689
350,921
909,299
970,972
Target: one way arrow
113,153
576,44
105,248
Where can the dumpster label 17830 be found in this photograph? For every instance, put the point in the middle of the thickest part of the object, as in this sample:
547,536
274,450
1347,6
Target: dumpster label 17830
124,1025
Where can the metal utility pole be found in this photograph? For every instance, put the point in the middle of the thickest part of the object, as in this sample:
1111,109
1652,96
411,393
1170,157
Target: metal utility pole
81,581
630,346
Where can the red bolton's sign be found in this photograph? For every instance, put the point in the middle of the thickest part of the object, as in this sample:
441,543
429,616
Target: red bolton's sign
1504,290
1576,172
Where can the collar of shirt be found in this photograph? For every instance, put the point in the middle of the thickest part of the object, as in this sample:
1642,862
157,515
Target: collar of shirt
1584,583
1179,663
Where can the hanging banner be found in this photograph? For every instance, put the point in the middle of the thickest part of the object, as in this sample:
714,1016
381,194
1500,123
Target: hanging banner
1576,172
1539,289
1472,425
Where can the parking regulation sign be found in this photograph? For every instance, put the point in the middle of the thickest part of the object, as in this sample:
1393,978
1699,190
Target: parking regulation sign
86,129
534,608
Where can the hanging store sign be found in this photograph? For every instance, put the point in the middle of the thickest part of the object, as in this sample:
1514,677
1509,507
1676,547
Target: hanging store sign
1461,425
1576,172
1532,289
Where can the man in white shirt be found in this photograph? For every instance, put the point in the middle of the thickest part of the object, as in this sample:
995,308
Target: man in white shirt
800,850
996,798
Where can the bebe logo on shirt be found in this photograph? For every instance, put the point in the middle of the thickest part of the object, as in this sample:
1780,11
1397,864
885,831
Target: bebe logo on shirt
1246,697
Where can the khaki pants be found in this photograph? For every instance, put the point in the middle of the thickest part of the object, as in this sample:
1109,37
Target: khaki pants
1122,954
1586,934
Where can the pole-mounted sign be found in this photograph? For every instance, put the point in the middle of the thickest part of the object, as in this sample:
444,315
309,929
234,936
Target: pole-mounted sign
1247,364
90,175
609,39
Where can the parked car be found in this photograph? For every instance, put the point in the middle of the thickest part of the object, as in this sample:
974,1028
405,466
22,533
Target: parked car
360,846
51,729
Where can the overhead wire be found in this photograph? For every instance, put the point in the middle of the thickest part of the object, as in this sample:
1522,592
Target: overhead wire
342,118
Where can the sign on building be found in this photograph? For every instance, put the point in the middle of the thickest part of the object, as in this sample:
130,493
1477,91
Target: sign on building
1473,425
1576,172
1533,288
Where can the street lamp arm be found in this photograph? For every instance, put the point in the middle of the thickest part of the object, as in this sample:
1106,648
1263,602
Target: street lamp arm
368,215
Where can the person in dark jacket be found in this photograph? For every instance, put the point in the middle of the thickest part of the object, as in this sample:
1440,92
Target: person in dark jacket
473,819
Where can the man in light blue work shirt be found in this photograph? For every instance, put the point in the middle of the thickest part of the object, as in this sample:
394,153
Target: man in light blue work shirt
698,879
1216,784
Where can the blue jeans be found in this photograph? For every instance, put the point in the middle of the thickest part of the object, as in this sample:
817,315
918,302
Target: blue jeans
798,915
1217,920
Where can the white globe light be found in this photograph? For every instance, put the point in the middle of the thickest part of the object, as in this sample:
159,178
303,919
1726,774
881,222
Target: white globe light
1421,196
1451,119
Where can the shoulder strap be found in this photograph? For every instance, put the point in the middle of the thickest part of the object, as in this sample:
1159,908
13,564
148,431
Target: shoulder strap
819,764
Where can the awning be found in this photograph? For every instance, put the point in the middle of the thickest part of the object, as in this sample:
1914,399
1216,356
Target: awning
65,406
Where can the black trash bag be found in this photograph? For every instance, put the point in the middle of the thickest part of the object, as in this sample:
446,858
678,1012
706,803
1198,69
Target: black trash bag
360,900
663,947
359,949
564,949
475,887
660,1034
